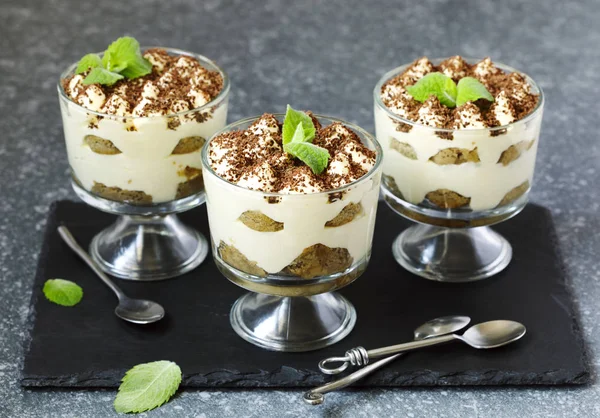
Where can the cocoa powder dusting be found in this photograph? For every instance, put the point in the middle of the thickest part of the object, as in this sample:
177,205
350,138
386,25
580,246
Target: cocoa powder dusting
521,101
241,154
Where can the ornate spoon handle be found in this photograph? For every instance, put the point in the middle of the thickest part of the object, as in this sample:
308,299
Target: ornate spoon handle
359,356
316,396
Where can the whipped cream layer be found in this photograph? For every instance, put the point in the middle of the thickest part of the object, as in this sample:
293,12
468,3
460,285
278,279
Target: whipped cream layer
139,126
146,162
486,182
303,217
488,164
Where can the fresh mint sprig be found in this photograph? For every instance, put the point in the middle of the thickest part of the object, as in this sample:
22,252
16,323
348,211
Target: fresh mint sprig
436,84
62,292
122,59
448,93
125,57
291,121
147,386
297,135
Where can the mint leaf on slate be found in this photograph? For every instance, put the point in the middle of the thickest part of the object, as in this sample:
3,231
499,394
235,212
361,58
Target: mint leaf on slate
102,76
471,89
88,61
124,56
313,156
147,386
436,84
291,121
62,292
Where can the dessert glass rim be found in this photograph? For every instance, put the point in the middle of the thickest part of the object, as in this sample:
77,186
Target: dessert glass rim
201,58
392,73
352,126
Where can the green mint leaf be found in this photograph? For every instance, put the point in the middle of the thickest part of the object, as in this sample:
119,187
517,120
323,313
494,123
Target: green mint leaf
291,121
62,292
436,84
471,89
313,156
298,134
87,62
124,56
101,76
147,386
137,67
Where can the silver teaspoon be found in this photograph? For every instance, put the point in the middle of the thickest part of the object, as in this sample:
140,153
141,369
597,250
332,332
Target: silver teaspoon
490,334
434,328
138,311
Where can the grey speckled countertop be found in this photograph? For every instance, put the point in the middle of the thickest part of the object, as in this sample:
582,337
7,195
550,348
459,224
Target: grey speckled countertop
325,56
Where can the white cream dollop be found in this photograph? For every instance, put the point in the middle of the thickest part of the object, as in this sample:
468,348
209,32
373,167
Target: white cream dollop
335,132
260,177
418,69
157,60
355,154
76,85
455,67
301,183
92,98
116,105
502,109
198,97
485,68
427,115
150,90
468,116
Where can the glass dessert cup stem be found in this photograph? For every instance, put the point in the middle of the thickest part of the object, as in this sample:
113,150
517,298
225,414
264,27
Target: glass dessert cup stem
452,255
146,243
459,248
292,324
303,315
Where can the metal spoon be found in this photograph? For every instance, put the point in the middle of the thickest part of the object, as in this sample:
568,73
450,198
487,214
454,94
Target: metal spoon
490,334
138,311
434,328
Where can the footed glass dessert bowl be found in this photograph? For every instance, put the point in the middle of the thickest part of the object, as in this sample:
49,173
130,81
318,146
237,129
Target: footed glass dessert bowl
134,150
457,170
293,247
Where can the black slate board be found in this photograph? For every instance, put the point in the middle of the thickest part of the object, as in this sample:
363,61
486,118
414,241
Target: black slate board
87,346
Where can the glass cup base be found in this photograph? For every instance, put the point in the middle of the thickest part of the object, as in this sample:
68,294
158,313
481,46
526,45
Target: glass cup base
146,242
147,248
292,324
452,255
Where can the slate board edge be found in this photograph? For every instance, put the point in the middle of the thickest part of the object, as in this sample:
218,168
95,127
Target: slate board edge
231,379
30,321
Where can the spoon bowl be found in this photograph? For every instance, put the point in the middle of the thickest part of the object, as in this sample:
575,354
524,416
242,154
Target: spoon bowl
493,334
139,311
441,326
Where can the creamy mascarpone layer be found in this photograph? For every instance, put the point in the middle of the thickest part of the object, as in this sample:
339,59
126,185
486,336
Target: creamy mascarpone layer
145,163
304,217
485,182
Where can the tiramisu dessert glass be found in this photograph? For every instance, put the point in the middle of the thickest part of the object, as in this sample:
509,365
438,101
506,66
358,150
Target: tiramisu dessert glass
287,234
134,150
460,138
